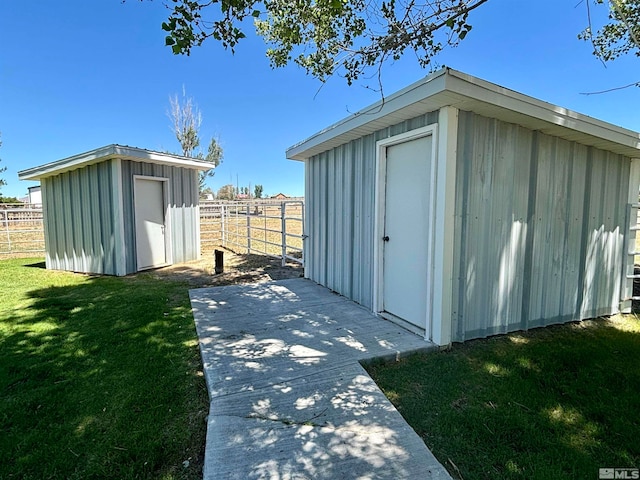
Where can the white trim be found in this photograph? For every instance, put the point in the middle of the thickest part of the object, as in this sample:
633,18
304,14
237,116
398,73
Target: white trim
196,188
45,227
118,209
150,177
106,153
441,312
168,244
634,180
379,209
168,226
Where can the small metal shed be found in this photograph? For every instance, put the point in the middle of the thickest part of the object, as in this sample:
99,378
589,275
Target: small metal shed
461,209
118,210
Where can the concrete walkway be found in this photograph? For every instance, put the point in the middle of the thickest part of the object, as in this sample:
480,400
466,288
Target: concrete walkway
289,398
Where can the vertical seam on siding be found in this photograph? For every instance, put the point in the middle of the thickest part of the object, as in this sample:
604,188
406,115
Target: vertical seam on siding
465,156
585,225
567,221
528,251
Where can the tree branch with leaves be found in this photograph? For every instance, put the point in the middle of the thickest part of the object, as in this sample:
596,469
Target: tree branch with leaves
325,37
617,38
355,38
621,35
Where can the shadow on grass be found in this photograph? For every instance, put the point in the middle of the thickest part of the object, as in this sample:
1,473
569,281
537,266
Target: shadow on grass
41,265
100,378
558,402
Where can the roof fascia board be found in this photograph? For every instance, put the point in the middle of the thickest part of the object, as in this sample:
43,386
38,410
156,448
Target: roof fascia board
414,93
492,94
141,155
66,164
447,85
107,153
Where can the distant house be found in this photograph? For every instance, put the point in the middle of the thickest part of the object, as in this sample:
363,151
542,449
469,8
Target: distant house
118,210
279,196
35,195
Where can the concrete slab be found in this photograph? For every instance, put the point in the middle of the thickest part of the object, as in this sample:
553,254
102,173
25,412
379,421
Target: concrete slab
289,398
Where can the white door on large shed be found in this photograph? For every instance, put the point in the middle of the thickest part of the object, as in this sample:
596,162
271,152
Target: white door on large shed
150,223
407,229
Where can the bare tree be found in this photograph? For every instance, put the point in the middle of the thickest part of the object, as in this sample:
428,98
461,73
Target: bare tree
185,122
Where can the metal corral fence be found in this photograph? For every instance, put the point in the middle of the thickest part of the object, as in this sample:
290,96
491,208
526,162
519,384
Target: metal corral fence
267,227
21,229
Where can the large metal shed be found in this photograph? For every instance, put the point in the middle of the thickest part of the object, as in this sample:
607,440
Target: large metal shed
461,209
118,210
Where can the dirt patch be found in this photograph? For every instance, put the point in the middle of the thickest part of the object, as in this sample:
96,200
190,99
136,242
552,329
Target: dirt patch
238,268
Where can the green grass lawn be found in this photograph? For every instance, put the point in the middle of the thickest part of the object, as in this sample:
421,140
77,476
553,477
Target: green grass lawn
554,403
100,377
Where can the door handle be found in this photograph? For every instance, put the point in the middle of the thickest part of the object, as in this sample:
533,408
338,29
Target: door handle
385,238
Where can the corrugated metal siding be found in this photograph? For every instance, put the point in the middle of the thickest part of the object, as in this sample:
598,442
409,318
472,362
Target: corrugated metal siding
539,229
79,227
183,209
340,194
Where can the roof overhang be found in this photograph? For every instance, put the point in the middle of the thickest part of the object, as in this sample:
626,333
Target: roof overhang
448,87
112,152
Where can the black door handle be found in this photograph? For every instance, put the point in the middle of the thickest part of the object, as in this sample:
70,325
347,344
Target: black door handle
385,238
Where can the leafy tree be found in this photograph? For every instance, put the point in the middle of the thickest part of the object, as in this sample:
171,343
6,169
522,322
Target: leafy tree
351,37
3,182
9,200
227,192
257,191
186,120
324,37
215,154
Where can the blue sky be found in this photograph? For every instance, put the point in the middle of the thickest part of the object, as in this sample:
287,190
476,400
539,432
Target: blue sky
76,75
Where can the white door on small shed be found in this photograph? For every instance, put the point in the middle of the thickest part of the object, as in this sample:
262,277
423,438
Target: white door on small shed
150,223
407,230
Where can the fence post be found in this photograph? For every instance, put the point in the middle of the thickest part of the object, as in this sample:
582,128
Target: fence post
222,226
283,220
248,228
6,226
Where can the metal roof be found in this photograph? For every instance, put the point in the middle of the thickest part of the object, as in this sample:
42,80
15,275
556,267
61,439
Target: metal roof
448,87
107,153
